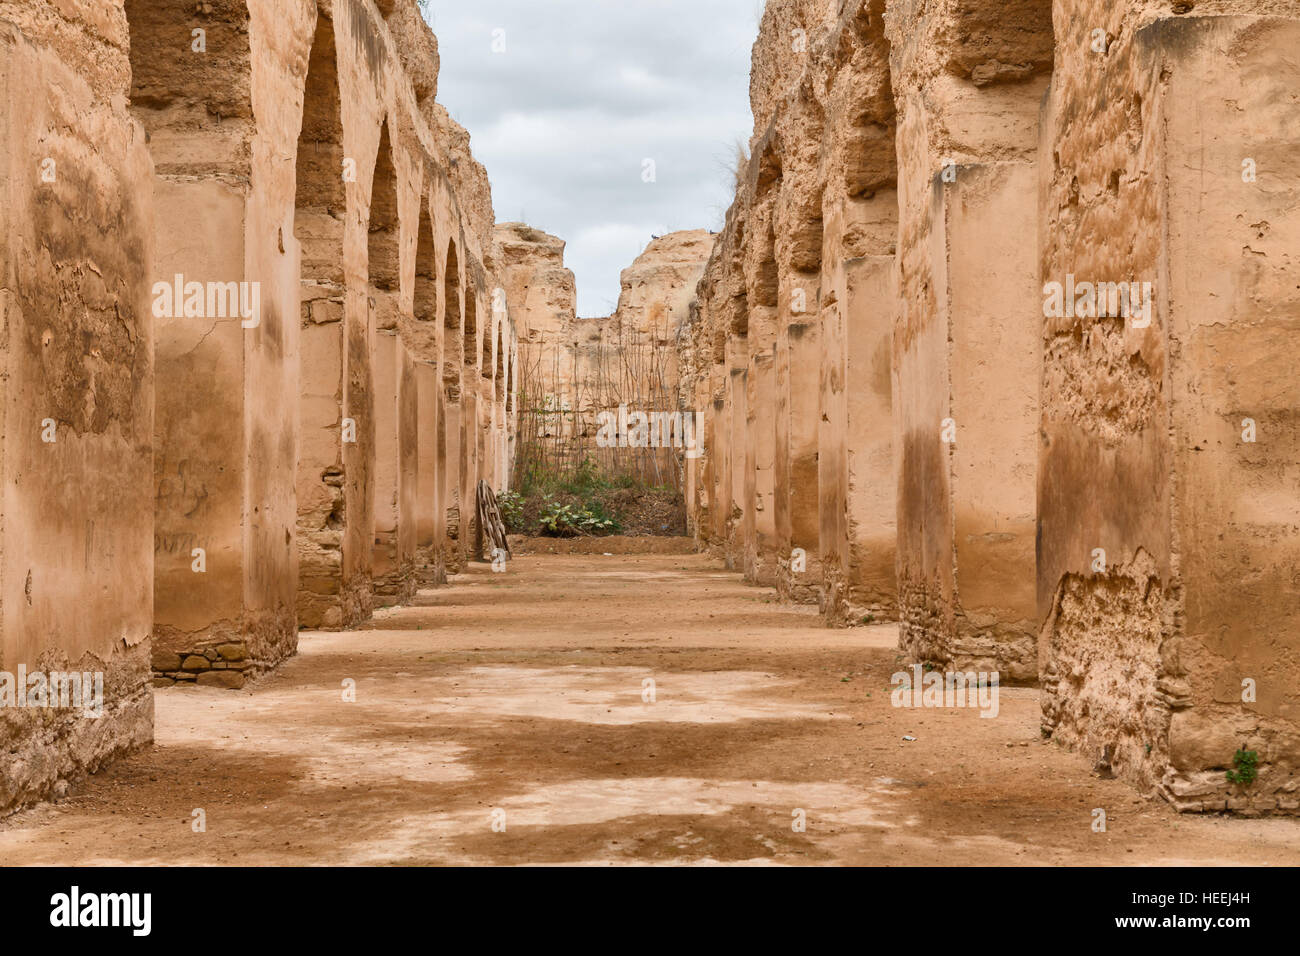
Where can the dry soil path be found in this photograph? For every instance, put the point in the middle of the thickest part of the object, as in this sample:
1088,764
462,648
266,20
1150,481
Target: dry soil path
509,719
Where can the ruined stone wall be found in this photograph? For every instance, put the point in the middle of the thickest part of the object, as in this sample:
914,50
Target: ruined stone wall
281,365
575,369
1099,500
345,179
1168,455
219,109
76,251
968,78
795,305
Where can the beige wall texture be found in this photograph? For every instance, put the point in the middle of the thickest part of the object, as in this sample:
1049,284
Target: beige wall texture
1099,499
572,369
262,337
255,355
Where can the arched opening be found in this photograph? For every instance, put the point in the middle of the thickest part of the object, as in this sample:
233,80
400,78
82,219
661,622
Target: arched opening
384,248
489,339
499,377
424,340
321,193
451,321
512,386
452,449
393,581
426,272
471,412
470,353
321,204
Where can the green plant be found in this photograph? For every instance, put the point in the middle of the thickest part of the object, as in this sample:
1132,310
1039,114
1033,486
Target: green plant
1246,767
511,506
560,520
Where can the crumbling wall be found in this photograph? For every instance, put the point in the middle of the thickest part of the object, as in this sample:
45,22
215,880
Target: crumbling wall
234,222
1169,456
573,370
967,80
76,507
795,309
215,87
855,464
336,156
989,173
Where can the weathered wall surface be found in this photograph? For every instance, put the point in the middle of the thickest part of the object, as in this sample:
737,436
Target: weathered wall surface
243,303
573,369
76,249
789,347
1169,455
259,348
968,78
1100,501
222,116
345,179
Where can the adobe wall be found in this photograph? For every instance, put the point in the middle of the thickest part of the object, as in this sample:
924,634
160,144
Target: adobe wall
1168,455
574,369
76,251
794,310
1064,497
269,364
218,117
968,79
333,152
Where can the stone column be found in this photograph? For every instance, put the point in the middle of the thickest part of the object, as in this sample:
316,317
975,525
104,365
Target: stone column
858,507
428,493
1170,453
965,354
77,350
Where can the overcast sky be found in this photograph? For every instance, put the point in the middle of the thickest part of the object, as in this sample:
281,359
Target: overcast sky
582,94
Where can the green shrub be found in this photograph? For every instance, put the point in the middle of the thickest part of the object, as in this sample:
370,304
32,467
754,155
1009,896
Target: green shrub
1246,767
559,520
511,506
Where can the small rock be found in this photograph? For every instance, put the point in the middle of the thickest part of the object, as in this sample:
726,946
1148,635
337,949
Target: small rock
232,680
164,661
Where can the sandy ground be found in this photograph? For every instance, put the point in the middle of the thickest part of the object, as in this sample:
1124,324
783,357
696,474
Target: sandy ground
519,699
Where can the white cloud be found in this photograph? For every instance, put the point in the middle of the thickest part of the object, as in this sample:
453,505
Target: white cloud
584,92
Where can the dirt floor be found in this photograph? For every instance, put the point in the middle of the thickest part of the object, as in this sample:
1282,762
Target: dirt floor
521,700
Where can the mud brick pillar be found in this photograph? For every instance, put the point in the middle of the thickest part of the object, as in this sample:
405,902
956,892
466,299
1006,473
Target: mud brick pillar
1170,450
428,490
395,427
966,353
858,505
76,257
225,450
736,503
